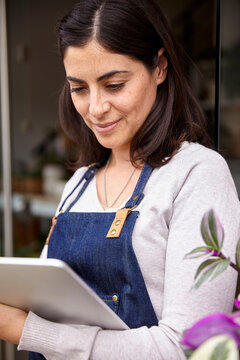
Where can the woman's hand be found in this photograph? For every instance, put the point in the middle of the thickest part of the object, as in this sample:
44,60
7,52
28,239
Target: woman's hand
12,321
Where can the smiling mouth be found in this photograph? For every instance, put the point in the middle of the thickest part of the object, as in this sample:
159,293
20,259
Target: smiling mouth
107,127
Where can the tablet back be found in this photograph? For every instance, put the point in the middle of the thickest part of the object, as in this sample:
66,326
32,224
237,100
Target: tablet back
52,290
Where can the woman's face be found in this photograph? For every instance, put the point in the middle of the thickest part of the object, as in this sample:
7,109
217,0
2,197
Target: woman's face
113,93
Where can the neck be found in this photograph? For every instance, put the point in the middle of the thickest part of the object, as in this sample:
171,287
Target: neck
120,159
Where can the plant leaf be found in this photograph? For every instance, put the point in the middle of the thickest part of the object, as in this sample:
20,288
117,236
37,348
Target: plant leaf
220,351
213,230
198,252
205,276
219,231
210,350
237,256
221,267
205,264
211,269
204,232
188,352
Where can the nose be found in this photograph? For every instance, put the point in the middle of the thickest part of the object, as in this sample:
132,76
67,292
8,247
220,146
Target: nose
98,105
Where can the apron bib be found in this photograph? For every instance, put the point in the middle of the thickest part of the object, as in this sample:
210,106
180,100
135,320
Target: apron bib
107,264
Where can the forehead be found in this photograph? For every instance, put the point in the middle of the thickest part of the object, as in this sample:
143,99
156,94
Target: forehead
96,60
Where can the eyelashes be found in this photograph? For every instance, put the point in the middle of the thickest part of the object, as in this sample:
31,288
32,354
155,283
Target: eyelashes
115,86
79,89
111,87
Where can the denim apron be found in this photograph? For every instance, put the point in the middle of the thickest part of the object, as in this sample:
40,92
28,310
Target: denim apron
107,264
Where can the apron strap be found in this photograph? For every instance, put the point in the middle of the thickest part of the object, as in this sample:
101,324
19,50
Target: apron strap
138,195
135,199
87,176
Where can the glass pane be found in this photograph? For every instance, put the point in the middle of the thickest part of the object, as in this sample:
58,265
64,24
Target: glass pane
1,169
1,192
230,87
36,77
197,35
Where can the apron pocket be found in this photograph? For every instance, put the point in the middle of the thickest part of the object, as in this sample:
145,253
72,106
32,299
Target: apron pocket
112,301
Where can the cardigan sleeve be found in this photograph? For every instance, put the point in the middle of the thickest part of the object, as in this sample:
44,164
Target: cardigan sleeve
206,185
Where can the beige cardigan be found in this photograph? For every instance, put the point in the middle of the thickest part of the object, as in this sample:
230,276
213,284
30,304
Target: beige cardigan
176,197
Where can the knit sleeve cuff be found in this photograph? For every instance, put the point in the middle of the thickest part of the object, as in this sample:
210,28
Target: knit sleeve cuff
57,341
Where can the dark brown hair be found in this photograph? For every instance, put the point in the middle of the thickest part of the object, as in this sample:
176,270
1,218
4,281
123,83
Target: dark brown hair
136,28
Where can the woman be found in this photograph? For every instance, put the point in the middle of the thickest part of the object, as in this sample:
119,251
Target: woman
125,222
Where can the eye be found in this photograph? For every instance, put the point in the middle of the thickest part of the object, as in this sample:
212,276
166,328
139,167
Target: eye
77,89
114,86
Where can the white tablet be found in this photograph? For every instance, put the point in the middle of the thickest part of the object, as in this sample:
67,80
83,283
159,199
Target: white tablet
52,290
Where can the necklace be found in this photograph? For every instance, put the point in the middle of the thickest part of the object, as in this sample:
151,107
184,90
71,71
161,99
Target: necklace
105,186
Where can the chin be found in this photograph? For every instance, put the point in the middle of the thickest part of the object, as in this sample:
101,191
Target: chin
107,142
108,145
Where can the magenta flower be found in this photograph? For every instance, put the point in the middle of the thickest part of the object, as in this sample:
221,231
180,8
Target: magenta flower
237,303
212,325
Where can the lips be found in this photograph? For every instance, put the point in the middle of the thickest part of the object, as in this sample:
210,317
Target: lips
106,127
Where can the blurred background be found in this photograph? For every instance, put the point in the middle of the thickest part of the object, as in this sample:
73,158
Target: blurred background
33,147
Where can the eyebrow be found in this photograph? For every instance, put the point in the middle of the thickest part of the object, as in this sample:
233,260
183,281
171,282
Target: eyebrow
105,76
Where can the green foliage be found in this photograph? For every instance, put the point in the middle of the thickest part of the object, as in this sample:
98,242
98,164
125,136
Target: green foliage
212,231
221,351
209,270
216,263
220,347
237,255
198,252
188,352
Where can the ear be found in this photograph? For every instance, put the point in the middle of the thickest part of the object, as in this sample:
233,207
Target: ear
161,70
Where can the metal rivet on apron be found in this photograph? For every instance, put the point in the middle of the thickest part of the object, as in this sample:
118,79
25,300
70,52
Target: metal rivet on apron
118,222
113,232
114,298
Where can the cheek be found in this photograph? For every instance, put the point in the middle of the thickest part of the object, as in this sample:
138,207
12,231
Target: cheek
79,105
129,102
139,102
